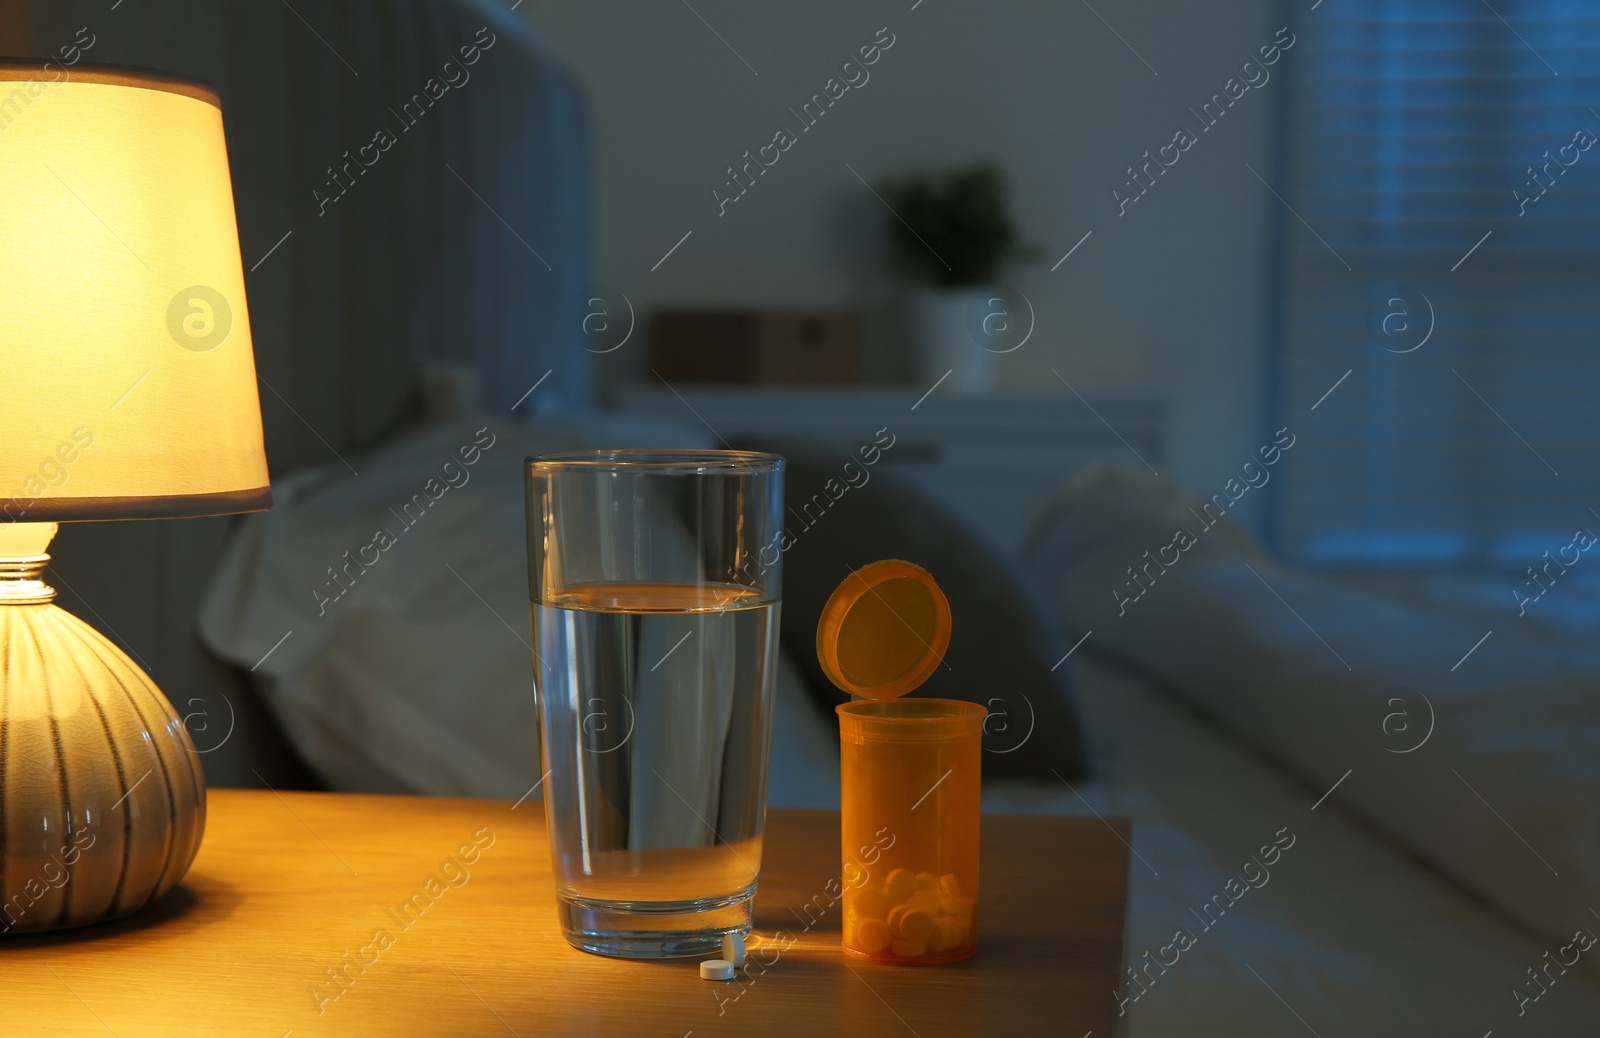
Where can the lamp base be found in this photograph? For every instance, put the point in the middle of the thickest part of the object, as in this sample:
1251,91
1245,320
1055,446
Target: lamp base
102,798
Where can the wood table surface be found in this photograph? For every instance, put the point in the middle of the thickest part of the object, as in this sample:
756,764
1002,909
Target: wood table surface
292,889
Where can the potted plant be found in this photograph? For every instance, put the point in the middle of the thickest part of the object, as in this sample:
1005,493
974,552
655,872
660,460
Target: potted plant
953,235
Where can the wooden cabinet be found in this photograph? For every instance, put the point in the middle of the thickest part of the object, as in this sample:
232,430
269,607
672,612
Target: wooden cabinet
992,458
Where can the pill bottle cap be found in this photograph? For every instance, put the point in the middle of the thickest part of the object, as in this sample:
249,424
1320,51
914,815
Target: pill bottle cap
884,630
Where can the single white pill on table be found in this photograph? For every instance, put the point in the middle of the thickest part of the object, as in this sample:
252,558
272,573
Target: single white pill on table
733,948
716,969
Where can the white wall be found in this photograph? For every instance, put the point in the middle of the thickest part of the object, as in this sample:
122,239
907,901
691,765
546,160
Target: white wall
1170,294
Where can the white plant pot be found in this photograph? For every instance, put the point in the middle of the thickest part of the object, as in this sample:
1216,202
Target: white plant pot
944,327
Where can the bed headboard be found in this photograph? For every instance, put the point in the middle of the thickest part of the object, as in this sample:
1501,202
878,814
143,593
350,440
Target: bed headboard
411,178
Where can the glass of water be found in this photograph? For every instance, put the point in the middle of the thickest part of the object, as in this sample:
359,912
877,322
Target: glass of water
654,579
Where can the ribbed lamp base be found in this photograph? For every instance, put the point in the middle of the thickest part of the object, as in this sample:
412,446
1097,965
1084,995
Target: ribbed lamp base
102,798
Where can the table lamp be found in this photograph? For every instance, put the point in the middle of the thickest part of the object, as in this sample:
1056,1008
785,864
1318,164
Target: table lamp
127,391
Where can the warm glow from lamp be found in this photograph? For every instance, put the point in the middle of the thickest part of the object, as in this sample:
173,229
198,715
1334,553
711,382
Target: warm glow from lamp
127,390
127,380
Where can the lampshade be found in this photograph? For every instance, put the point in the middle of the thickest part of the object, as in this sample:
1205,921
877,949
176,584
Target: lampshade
127,380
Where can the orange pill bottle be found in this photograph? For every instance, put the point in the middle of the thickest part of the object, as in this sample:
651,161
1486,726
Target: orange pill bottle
910,771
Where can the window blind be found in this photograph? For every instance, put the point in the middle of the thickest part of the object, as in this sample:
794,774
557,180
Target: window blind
1442,259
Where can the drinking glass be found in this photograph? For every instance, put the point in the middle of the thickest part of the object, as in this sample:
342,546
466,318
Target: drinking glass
654,581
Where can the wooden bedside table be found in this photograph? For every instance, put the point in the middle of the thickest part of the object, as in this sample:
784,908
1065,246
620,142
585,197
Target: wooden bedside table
276,932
